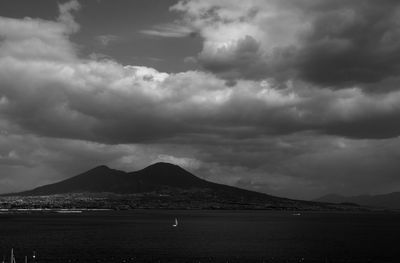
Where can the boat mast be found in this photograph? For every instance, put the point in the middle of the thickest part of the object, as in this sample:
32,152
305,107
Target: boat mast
12,259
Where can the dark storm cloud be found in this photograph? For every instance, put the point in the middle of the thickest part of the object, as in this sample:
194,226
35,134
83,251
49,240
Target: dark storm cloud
244,59
351,42
331,43
375,127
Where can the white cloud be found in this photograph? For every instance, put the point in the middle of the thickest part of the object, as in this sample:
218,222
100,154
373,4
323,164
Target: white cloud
168,30
34,39
66,17
244,34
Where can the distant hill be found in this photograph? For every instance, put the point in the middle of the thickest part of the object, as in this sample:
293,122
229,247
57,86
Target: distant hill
158,185
391,200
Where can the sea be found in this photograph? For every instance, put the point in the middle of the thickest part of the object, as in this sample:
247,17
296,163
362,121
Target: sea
201,236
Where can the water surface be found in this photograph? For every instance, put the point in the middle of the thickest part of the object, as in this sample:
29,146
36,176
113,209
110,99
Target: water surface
205,236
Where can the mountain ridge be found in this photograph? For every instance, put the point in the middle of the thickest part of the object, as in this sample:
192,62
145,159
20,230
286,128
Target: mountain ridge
160,185
389,200
151,178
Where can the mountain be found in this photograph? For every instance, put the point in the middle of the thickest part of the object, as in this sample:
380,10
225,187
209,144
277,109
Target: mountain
161,185
159,177
156,177
391,200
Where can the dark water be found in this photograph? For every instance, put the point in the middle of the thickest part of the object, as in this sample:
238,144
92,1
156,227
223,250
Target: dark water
205,236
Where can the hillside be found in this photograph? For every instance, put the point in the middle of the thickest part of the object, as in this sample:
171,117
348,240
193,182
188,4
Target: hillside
161,185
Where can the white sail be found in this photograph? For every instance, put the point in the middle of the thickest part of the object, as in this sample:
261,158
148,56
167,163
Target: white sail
176,222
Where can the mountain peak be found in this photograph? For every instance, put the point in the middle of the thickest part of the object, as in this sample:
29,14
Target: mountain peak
168,174
101,167
164,165
100,171
165,169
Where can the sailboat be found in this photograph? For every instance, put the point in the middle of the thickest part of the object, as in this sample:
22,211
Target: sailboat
176,222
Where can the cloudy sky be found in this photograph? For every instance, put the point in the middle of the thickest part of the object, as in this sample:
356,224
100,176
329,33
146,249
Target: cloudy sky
295,98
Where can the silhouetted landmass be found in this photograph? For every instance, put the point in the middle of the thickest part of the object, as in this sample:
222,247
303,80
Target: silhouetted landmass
158,177
390,201
161,185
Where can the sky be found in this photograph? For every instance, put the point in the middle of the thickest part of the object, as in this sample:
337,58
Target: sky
294,98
